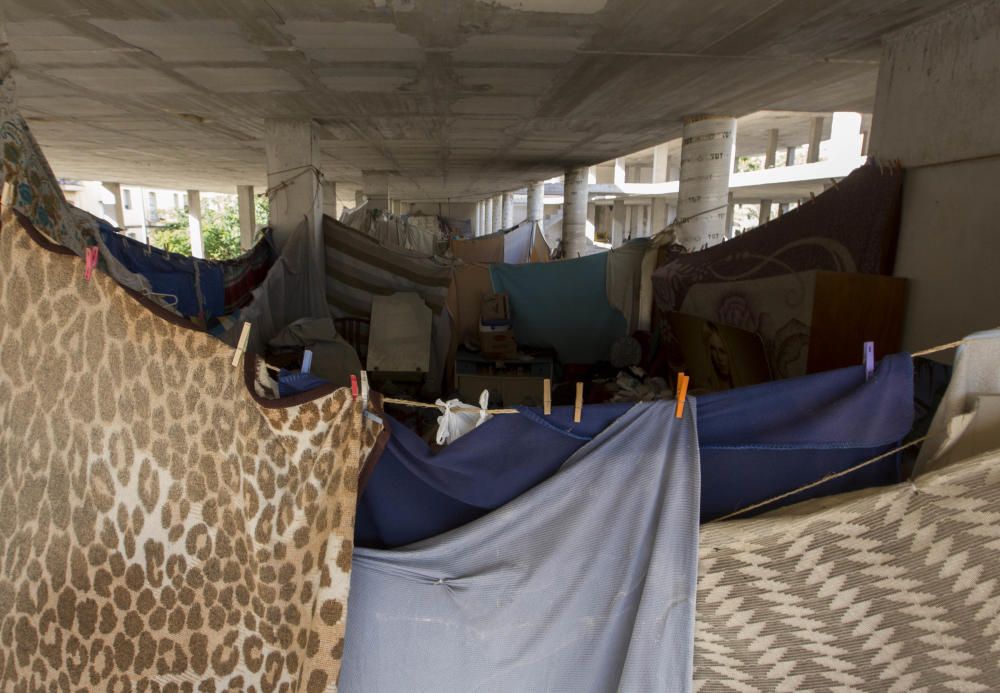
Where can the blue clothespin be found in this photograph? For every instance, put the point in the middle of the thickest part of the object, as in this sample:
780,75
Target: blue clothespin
869,360
307,361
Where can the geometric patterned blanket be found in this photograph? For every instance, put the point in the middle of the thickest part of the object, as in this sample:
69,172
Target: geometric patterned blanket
892,589
162,527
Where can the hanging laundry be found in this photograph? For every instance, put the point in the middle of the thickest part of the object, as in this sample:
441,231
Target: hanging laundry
756,442
458,418
586,583
517,243
486,249
147,514
562,305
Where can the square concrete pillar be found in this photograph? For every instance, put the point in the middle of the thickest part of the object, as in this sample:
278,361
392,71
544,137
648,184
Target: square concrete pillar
376,185
772,148
815,135
116,190
248,215
194,224
293,181
661,163
330,208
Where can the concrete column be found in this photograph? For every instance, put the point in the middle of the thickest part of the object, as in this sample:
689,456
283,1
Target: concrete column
536,201
815,135
488,216
772,148
730,216
116,190
295,194
661,163
330,199
706,162
376,186
619,174
498,212
507,216
764,215
846,140
359,197
618,223
194,224
574,228
790,153
248,218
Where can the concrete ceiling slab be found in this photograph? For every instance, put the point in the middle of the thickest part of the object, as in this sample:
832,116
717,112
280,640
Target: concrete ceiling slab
459,99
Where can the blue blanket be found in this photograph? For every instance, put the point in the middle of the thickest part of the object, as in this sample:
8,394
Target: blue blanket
197,285
756,442
563,305
585,583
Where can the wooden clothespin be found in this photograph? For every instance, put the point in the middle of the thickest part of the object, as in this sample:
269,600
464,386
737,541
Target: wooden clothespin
241,346
868,355
547,397
682,391
307,361
90,255
364,389
578,405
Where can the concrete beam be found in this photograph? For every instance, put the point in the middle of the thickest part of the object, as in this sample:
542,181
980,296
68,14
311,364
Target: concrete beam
248,218
294,191
194,224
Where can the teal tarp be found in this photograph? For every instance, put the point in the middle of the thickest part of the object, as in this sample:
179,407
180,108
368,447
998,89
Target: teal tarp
563,305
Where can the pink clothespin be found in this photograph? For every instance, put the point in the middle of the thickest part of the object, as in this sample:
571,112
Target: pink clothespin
90,261
869,359
354,386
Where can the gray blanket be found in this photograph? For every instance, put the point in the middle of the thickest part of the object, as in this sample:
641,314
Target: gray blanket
584,584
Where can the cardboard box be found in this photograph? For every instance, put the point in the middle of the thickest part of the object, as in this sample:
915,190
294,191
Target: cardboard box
495,308
497,342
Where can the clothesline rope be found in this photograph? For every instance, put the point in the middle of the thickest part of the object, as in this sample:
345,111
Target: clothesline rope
828,477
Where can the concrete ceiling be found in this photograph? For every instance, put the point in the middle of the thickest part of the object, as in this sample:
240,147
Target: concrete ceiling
459,98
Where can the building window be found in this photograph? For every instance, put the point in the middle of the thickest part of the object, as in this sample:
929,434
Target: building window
127,198
152,211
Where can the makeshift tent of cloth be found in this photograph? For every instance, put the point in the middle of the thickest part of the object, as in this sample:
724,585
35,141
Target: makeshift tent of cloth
756,442
518,245
888,589
159,521
852,227
393,231
206,289
584,583
456,228
563,305
193,288
358,268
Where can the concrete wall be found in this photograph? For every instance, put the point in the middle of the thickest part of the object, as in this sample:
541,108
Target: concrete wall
936,110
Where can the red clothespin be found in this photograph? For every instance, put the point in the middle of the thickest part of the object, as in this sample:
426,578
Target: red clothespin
354,386
89,261
869,359
682,391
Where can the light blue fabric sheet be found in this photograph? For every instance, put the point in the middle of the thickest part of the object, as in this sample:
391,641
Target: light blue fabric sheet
563,305
517,243
585,583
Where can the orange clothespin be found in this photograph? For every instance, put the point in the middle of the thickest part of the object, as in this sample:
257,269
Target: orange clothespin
578,405
682,391
547,397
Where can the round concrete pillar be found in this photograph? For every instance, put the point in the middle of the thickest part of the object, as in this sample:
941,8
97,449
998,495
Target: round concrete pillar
507,218
488,215
497,212
536,201
574,228
706,163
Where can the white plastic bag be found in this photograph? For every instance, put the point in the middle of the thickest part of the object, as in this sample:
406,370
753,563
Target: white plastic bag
457,418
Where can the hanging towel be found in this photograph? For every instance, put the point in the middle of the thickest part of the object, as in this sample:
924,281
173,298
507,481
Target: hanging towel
586,583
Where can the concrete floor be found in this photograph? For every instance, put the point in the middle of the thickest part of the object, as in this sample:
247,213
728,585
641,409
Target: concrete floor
456,99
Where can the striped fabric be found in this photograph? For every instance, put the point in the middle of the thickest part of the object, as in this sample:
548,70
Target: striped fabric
358,267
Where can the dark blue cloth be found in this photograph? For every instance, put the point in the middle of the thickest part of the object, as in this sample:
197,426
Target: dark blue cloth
295,382
755,442
197,284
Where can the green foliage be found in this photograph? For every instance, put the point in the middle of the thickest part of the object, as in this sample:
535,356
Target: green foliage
749,163
220,230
